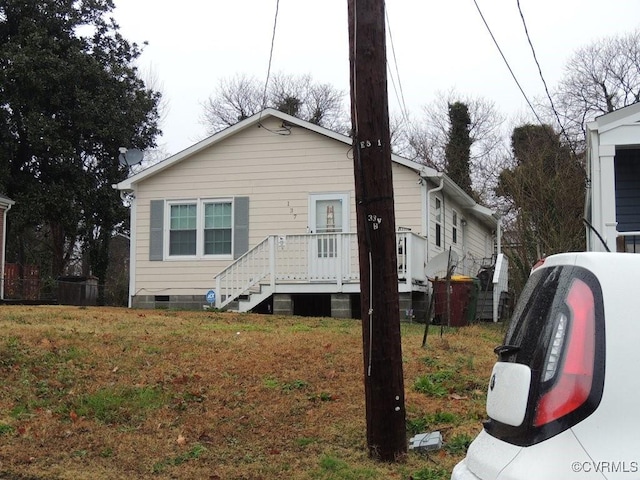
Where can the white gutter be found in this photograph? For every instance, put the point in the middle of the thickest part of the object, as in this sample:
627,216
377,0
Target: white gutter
133,207
499,235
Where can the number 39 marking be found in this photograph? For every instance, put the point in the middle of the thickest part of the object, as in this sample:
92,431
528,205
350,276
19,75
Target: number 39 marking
374,220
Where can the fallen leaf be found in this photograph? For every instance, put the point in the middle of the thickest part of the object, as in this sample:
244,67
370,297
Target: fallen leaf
455,396
181,440
73,416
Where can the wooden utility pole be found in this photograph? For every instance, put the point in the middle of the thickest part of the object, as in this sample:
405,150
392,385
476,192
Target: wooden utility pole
383,378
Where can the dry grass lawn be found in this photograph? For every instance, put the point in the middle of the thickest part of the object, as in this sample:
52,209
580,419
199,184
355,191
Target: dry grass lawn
109,393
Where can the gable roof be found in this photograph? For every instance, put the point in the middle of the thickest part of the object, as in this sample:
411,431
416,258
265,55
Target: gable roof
629,115
256,119
450,187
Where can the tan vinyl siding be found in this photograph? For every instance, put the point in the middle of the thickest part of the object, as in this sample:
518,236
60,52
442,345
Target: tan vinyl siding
407,194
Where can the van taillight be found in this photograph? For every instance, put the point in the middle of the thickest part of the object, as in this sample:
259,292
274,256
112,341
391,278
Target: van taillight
573,384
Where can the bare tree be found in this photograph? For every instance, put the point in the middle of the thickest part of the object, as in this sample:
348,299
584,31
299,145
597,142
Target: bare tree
325,106
599,78
406,137
427,139
241,96
234,100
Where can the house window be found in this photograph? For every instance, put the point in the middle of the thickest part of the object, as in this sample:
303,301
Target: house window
454,227
438,222
183,229
199,228
217,228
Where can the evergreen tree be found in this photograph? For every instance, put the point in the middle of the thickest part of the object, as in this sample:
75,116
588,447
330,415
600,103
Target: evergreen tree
458,148
69,98
545,192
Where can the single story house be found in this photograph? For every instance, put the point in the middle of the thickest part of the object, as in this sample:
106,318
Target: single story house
261,216
612,205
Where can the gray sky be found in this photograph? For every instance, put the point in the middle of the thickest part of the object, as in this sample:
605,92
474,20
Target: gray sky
437,46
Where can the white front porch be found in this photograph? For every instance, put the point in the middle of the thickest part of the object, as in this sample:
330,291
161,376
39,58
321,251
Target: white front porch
311,263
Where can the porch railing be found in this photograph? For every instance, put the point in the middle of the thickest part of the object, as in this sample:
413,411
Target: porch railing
311,258
628,242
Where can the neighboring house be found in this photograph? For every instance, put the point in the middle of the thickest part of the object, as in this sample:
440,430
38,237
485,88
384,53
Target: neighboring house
5,206
263,214
613,169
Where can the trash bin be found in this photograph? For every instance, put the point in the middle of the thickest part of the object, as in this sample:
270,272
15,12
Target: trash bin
463,300
474,294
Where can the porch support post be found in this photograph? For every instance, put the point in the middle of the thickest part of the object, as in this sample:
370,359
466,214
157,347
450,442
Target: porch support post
340,253
218,292
272,261
282,304
341,305
408,259
608,202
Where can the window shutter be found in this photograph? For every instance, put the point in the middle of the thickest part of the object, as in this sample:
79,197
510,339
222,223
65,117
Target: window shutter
240,226
156,235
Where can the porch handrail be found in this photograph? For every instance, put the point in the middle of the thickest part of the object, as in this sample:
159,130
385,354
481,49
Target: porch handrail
310,257
244,273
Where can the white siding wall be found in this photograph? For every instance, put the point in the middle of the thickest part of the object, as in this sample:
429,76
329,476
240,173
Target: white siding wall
474,242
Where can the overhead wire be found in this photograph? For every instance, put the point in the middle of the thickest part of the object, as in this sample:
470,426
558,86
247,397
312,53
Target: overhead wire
398,90
507,63
546,88
273,41
285,130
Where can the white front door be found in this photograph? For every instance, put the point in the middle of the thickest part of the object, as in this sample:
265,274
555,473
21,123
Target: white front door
328,217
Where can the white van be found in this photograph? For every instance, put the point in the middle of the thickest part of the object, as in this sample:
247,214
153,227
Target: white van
562,399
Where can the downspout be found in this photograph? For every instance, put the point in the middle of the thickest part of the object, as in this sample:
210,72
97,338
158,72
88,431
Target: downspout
132,242
499,235
463,232
588,192
429,192
4,248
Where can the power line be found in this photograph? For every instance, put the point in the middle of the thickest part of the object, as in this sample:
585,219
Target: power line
507,63
273,41
284,130
400,96
546,89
